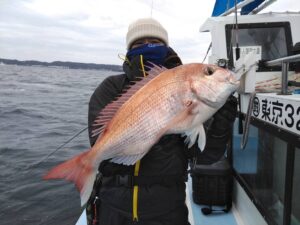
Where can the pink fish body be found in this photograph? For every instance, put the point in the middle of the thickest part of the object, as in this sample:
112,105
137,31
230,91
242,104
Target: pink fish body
178,100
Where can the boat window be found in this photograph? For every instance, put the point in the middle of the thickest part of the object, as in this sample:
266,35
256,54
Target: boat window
274,39
262,166
295,217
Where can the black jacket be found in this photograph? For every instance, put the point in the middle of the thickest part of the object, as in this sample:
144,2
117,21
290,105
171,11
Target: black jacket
168,157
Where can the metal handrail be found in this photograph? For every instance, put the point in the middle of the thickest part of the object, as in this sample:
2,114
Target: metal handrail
293,58
284,62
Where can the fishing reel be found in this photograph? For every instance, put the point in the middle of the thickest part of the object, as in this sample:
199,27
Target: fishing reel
222,63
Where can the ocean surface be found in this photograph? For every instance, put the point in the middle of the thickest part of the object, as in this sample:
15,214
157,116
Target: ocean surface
40,109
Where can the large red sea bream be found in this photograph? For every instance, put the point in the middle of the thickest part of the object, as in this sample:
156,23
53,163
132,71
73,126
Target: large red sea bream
177,100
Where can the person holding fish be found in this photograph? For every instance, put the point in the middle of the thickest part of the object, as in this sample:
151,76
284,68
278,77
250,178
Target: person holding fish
144,127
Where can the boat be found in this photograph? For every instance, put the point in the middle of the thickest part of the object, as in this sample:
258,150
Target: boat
265,148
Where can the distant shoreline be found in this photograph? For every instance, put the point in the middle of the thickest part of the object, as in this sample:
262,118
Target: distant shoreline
60,64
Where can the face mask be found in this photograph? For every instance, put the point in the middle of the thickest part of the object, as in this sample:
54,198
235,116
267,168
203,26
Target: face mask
155,53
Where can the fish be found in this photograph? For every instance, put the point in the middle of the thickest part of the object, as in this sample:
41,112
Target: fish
167,101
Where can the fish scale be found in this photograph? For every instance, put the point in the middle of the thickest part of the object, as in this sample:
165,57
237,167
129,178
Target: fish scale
144,112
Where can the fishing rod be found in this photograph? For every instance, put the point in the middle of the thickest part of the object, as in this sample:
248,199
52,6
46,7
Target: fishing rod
247,121
58,148
209,47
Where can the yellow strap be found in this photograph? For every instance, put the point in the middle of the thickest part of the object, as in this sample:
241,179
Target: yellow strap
142,64
136,170
135,193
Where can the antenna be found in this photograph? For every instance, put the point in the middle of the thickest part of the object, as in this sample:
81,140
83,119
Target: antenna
237,50
151,7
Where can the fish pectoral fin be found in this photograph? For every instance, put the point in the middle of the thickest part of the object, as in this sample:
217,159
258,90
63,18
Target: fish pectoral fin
127,159
191,137
180,123
201,138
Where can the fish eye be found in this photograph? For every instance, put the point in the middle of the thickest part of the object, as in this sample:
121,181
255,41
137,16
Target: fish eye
209,71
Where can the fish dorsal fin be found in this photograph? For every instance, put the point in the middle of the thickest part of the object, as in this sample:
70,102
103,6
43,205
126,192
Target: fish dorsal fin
108,112
154,69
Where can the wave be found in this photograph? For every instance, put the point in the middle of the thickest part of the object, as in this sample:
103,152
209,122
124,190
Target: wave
40,109
14,113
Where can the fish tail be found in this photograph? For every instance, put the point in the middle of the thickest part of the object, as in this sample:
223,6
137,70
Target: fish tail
79,170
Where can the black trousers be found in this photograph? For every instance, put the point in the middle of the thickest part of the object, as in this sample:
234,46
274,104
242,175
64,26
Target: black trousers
178,216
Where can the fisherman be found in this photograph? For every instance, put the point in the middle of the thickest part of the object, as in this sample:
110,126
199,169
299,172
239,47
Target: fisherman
153,190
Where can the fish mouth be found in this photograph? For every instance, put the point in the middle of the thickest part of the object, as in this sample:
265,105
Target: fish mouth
234,82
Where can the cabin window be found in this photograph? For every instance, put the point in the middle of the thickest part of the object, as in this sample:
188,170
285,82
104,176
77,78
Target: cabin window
262,165
295,217
274,38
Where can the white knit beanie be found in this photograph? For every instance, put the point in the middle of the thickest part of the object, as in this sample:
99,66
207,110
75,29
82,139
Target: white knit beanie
146,27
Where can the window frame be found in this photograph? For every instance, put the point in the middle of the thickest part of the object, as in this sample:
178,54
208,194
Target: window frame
292,143
288,36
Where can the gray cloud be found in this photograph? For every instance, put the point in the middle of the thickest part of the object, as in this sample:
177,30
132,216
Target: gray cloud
26,34
95,31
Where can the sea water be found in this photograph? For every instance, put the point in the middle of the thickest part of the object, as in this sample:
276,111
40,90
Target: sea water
40,109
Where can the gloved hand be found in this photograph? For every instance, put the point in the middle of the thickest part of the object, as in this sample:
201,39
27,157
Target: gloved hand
224,117
218,133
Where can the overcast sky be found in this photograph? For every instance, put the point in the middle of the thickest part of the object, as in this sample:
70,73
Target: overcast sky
93,31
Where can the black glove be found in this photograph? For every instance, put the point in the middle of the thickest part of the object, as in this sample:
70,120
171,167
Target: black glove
218,133
224,117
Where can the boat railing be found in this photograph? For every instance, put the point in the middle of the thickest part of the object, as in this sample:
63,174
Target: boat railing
284,62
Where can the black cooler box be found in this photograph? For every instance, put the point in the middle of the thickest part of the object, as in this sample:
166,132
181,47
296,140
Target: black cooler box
212,185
